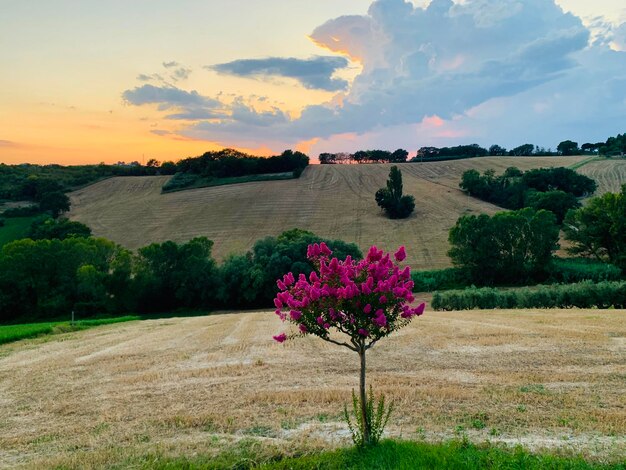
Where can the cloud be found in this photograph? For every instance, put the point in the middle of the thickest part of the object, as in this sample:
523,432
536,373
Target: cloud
619,37
7,143
160,132
180,73
168,97
491,71
171,64
314,73
189,105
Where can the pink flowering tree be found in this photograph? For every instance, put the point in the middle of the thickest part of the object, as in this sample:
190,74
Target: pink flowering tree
349,303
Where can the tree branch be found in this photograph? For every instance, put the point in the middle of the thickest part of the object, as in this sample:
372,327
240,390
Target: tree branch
340,344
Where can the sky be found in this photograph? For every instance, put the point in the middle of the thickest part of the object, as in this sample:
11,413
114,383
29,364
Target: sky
89,81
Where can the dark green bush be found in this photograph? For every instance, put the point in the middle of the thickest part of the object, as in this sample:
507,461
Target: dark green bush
438,279
25,211
568,270
180,181
585,294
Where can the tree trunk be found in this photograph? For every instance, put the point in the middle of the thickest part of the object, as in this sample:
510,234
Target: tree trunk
362,393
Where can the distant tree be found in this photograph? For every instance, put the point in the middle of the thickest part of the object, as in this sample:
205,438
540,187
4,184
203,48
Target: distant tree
249,280
361,156
557,202
168,168
497,151
561,178
599,228
426,152
47,228
568,147
512,172
55,203
509,247
171,276
391,199
522,151
589,147
153,163
327,158
399,156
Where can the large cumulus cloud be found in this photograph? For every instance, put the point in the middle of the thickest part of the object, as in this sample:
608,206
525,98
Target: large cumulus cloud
481,66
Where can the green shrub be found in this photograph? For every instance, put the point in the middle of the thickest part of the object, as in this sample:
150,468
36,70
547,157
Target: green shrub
567,270
584,294
438,279
180,181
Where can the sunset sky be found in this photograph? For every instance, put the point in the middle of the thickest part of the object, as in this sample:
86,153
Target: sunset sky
85,81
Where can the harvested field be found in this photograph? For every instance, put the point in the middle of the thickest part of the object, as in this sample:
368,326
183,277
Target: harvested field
543,378
610,174
334,201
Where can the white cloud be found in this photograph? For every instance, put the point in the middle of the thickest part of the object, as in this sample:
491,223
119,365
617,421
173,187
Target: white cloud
505,71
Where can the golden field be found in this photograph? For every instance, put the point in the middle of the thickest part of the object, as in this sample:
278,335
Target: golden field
334,201
542,378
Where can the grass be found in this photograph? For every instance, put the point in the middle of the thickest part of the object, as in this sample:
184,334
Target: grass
389,454
10,333
211,182
15,228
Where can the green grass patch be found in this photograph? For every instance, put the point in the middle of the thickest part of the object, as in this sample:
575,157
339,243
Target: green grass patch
582,163
186,181
10,333
15,228
389,454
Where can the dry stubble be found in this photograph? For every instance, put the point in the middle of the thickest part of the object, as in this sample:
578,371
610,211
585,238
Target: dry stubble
554,378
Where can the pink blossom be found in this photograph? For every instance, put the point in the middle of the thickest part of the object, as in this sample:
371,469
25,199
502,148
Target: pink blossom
281,338
400,255
380,321
295,315
420,309
355,297
324,250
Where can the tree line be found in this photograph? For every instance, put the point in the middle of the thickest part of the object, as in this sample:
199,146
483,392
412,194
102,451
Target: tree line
613,146
47,278
554,189
517,247
229,163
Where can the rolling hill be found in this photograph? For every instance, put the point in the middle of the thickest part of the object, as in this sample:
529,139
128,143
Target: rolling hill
334,201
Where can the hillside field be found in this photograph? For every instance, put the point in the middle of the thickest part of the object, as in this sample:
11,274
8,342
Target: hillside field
541,378
334,201
610,174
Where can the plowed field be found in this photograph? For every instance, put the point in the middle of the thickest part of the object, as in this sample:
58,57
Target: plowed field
334,201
